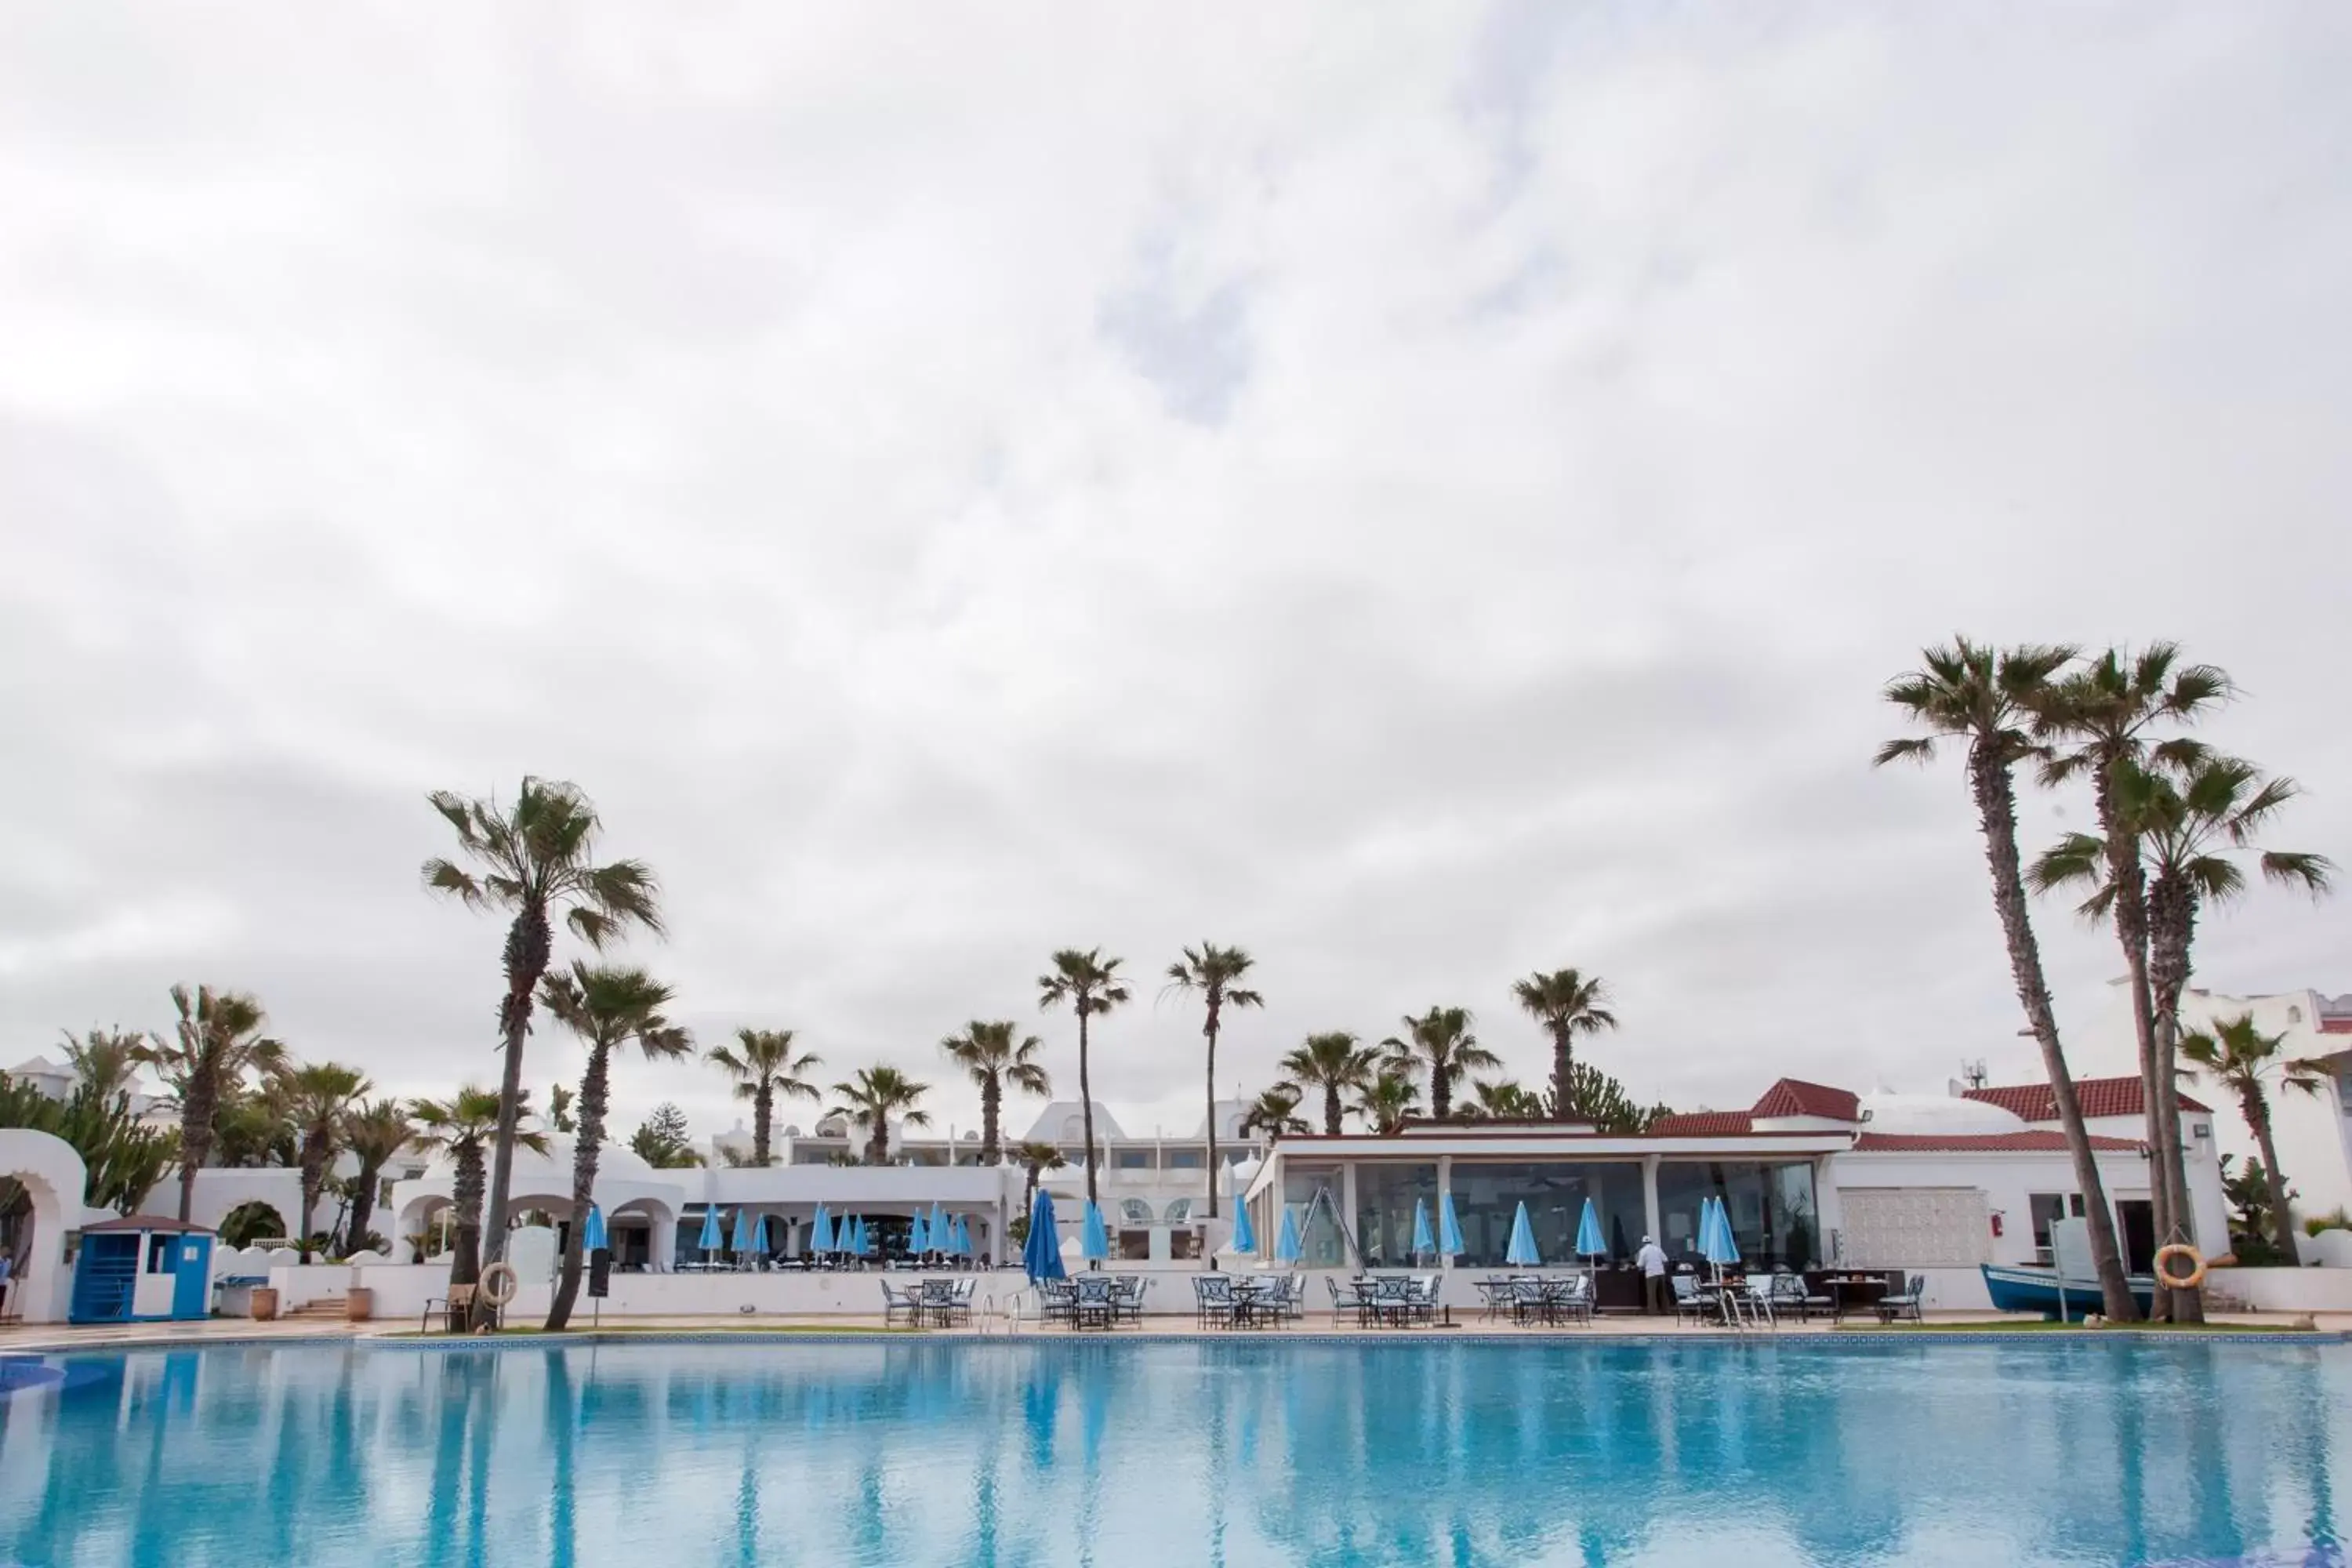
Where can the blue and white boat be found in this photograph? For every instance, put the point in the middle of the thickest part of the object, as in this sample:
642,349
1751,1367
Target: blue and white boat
2031,1288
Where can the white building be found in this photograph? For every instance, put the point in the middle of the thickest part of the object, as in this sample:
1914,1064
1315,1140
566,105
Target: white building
2313,1131
55,1081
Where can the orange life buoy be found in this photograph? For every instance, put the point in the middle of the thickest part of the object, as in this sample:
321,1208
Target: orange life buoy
499,1282
2188,1281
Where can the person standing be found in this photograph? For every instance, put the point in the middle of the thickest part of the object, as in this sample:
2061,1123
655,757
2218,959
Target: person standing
7,1281
1652,1261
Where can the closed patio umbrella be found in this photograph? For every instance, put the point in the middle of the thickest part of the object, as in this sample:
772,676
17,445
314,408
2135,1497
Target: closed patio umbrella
1449,1228
1716,1241
713,1238
961,1226
820,1237
1245,1233
1094,1238
592,1235
1521,1253
860,1242
1590,1242
919,1240
1041,1254
1423,1243
1289,1248
743,1234
938,1231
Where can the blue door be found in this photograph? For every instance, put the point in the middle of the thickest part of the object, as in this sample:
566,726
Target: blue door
105,1276
192,1293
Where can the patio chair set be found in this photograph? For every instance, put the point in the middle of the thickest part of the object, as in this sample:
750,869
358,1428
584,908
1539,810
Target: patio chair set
1094,1300
1248,1301
1548,1299
1756,1300
1386,1301
942,1303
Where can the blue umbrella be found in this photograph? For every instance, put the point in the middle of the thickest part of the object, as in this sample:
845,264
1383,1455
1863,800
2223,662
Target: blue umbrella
820,1237
962,1236
1244,1233
1094,1236
859,1242
1716,1241
1590,1242
1522,1253
1449,1228
743,1242
711,1239
1288,1247
918,1238
1422,1241
1041,1254
592,1235
939,1229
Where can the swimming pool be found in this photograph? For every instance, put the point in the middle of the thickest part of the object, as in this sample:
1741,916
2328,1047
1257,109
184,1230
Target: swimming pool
1147,1454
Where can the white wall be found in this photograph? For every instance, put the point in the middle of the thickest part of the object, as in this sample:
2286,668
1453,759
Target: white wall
55,1180
2288,1290
220,1191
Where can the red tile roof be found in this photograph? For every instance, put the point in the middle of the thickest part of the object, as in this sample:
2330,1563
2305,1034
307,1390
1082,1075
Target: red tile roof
2036,1142
2335,1026
1795,1097
1704,1124
2100,1096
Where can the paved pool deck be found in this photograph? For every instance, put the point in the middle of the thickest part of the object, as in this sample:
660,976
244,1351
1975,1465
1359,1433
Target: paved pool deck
29,1339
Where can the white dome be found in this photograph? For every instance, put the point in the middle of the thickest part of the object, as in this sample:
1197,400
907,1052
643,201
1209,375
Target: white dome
1946,1115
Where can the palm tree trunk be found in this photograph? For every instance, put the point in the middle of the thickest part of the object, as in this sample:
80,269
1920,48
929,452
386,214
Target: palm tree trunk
877,1142
1563,1062
2172,926
529,943
1087,1108
363,1206
314,1174
1332,1110
1211,1030
992,1095
196,1112
2258,1117
764,1111
1995,802
1441,1092
588,1141
2129,880
465,1197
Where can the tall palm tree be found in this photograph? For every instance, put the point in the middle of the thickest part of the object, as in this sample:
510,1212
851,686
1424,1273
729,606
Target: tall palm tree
875,1096
559,1108
1987,697
2104,716
318,1096
1035,1158
374,1133
1503,1100
992,1057
106,1061
216,1041
533,862
1214,974
1567,1004
1275,1112
2241,1057
1091,984
763,1068
607,1006
1387,1102
1440,1040
462,1124
1335,1063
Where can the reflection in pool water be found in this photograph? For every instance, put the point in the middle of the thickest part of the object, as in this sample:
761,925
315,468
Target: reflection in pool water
1143,1453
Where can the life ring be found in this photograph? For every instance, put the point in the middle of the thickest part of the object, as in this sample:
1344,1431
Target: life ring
2188,1281
499,1282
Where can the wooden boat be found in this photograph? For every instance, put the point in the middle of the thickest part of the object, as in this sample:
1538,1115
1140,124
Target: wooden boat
2029,1287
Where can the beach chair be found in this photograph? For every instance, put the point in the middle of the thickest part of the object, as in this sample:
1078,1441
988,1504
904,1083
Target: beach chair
1212,1300
1910,1303
455,1308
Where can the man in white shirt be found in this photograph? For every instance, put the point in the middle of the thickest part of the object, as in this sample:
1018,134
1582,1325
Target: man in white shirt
1652,1260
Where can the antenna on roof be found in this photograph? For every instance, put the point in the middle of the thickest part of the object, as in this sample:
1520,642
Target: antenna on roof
1974,1073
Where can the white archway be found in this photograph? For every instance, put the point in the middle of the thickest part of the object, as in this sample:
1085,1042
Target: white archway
54,1178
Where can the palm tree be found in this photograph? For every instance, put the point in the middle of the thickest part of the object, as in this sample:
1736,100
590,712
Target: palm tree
2104,713
1091,984
763,1069
1987,697
2239,1057
535,861
215,1043
1503,1100
875,1096
1387,1102
1441,1040
1213,973
1034,1159
1275,1112
317,1096
106,1060
559,1108
373,1132
607,1006
990,1055
1335,1063
1568,1005
462,1124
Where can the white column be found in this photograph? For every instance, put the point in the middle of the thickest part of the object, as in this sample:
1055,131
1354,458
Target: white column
1651,1220
1444,1190
1348,1208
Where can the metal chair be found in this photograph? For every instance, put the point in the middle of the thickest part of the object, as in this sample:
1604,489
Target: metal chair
1094,1304
1213,1300
898,1302
1910,1303
1351,1299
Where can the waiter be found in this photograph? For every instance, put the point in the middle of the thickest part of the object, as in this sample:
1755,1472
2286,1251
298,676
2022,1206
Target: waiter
1652,1260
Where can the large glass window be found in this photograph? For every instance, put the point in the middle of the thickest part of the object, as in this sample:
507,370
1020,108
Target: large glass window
1384,1200
1187,1160
1487,1197
1310,1193
1132,1159
1774,1216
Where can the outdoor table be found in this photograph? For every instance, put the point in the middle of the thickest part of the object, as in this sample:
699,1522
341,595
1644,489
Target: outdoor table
1853,1292
1254,1303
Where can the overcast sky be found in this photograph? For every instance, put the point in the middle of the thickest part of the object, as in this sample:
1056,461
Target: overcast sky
1423,493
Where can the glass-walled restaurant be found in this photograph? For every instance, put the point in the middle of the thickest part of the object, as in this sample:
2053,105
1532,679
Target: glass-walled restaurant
1774,1213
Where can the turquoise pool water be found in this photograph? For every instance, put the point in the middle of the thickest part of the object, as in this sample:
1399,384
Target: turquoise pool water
1143,1454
